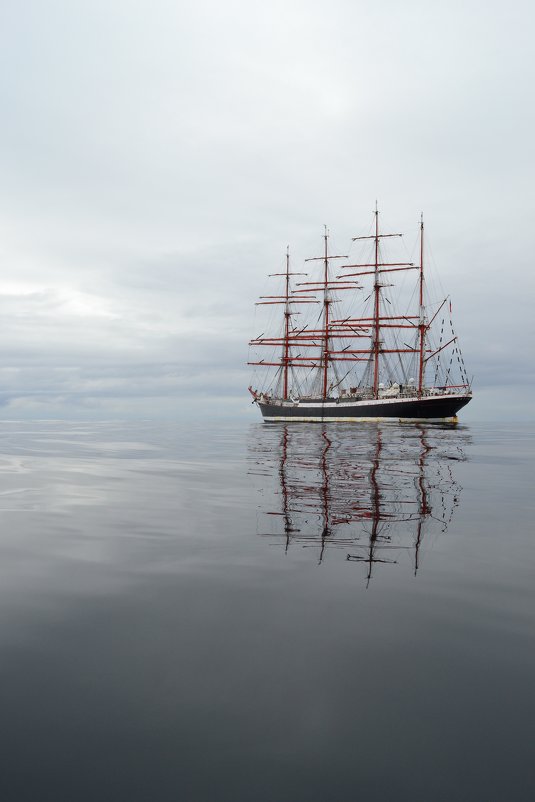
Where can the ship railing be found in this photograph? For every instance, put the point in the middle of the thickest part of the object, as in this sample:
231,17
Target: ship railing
405,391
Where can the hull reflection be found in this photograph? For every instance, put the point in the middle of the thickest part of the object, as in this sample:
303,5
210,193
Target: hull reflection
376,493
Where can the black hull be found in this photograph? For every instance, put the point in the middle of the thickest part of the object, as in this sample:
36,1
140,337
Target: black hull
443,408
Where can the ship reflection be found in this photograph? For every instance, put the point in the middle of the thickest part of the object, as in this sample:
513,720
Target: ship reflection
378,493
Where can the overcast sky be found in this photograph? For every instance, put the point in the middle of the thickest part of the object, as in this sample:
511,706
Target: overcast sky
157,157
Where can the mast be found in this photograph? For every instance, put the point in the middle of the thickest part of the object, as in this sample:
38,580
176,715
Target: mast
327,331
421,312
376,309
376,322
287,315
289,335
326,302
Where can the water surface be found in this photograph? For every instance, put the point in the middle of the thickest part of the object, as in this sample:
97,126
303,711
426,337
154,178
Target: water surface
263,612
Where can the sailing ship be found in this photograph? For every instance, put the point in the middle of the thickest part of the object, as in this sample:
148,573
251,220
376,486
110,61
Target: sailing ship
378,363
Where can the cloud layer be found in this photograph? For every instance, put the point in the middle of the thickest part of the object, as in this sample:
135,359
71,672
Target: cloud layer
158,157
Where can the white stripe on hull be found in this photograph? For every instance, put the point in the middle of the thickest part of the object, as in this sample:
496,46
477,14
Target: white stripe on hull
368,419
369,402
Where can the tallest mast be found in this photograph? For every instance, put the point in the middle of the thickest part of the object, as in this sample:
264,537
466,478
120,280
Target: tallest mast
287,316
376,308
374,323
326,302
421,313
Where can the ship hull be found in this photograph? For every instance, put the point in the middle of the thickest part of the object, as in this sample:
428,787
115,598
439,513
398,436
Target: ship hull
430,409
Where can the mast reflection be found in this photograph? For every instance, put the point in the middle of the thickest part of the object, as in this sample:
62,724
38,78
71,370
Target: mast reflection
377,493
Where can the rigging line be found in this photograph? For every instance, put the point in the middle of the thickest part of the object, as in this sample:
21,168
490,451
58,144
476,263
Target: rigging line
449,370
439,353
400,360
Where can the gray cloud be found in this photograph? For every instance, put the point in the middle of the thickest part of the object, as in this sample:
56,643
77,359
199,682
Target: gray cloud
158,157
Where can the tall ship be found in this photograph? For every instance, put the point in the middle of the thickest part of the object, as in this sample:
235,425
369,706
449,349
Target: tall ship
353,346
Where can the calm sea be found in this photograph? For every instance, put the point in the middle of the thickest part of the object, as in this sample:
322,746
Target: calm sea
267,613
